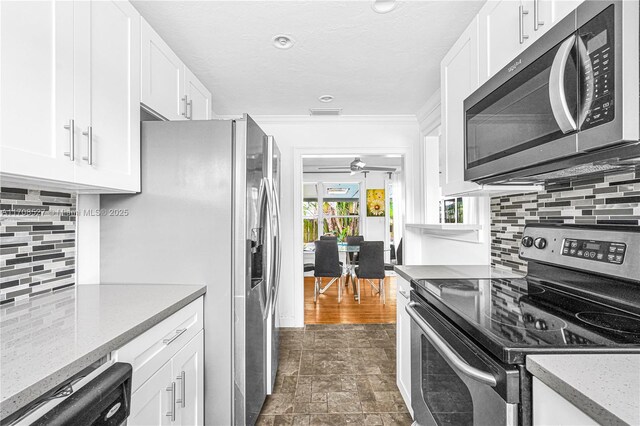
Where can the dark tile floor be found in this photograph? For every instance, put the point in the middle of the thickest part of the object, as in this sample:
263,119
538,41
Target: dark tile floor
335,375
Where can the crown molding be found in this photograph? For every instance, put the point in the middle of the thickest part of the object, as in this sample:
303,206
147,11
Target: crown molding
428,115
306,119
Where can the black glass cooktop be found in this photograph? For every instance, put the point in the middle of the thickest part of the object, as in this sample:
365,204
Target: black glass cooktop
515,317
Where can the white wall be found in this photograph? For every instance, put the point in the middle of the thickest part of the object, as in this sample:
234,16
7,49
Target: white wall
297,136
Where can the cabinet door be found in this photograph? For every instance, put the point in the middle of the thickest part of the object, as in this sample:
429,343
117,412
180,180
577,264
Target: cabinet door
188,372
36,88
162,76
403,341
550,409
458,78
499,22
151,403
549,13
199,98
108,94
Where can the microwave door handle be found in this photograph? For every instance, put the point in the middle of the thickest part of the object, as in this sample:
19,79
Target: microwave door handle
446,352
557,95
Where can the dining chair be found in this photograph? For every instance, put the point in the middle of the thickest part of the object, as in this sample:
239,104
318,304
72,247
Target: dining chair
328,238
392,258
371,267
327,265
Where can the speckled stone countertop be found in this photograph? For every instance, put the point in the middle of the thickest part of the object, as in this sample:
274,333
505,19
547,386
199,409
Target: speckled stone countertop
435,272
606,387
49,338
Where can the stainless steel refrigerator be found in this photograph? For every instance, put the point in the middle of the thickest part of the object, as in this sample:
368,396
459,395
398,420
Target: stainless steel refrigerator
209,213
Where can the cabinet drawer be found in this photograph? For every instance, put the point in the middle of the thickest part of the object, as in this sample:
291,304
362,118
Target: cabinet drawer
149,351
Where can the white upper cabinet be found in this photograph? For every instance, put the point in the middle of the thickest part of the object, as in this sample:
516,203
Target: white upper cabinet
458,78
547,13
507,27
169,88
107,74
70,97
36,89
163,76
198,98
502,34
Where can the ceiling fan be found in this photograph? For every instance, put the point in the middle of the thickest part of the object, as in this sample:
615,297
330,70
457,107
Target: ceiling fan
359,166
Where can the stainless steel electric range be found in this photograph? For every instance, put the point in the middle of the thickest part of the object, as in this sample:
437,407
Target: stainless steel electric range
470,337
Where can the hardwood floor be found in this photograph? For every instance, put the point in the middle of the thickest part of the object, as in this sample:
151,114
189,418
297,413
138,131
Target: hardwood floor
369,311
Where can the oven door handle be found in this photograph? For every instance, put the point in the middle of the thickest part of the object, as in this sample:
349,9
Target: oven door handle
557,96
446,352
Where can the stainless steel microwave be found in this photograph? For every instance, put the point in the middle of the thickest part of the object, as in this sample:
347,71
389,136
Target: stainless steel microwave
567,105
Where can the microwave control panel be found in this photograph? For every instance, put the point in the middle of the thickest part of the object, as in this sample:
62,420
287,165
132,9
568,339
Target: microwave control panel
597,58
600,251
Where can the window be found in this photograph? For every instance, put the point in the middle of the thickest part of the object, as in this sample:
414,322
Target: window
341,218
452,210
340,212
310,221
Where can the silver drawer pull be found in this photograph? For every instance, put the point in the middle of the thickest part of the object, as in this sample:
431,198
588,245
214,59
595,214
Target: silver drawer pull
183,390
72,139
172,389
175,336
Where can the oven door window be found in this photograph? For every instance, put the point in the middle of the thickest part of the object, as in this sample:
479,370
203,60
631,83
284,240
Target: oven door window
537,105
444,393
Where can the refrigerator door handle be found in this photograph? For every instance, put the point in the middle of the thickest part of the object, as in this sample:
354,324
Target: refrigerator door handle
266,186
278,249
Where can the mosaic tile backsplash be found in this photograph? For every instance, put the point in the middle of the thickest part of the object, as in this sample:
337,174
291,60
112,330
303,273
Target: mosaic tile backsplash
611,199
37,242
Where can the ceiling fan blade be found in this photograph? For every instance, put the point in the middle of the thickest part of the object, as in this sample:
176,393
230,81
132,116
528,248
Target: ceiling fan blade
344,172
379,169
334,168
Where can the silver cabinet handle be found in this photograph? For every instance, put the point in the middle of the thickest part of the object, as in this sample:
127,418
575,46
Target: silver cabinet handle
189,109
89,134
557,97
521,13
183,390
184,106
537,23
172,389
444,350
404,293
71,127
174,337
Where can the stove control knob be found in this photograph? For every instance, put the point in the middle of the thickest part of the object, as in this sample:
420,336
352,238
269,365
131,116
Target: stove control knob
527,241
540,325
540,243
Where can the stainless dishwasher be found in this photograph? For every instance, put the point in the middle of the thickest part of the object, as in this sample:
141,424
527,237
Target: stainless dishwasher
98,395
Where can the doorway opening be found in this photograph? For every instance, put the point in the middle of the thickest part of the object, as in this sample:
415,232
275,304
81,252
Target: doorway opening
345,197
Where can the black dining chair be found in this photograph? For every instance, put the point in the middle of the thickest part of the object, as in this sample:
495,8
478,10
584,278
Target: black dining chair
327,265
328,238
371,267
353,240
392,258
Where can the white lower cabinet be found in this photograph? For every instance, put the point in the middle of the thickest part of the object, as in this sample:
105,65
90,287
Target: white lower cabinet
173,395
403,342
551,409
149,404
167,386
188,368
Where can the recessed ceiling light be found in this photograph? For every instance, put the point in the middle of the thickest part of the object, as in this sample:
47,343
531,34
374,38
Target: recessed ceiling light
325,98
384,6
282,41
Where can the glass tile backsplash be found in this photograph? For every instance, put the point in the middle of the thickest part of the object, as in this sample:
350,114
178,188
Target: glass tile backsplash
37,242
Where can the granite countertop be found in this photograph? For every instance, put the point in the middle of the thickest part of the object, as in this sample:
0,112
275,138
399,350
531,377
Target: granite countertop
49,338
606,387
434,272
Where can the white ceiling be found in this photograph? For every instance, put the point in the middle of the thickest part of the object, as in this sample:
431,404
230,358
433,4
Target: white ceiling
371,63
